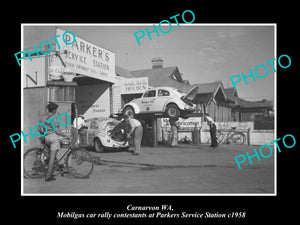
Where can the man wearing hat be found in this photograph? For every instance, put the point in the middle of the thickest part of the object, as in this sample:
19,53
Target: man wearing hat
51,138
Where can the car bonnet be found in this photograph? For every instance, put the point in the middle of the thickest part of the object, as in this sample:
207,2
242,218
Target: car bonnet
191,94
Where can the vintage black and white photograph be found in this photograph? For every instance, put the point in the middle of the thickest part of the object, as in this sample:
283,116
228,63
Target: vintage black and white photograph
149,109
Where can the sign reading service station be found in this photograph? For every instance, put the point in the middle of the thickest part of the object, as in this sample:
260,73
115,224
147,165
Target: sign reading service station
86,58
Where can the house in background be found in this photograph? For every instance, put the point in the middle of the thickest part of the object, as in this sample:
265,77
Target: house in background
222,104
261,112
211,97
213,100
159,76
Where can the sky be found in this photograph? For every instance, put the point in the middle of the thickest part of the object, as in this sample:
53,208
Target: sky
202,53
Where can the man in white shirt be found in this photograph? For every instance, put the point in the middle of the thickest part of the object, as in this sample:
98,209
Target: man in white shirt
174,132
137,131
79,121
213,130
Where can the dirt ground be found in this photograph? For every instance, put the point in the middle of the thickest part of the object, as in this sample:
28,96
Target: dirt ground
164,170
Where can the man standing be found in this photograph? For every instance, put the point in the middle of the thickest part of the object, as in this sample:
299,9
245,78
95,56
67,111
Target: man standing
137,131
213,130
51,137
174,132
79,121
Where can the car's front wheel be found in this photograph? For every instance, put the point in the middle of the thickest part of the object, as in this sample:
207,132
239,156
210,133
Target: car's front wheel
98,145
172,111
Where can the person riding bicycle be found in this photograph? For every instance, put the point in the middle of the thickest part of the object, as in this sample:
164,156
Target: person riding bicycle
51,138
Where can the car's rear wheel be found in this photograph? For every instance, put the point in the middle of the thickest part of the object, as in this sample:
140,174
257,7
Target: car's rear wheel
98,145
172,111
129,111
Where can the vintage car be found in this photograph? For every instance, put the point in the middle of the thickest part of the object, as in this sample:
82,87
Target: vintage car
98,135
167,100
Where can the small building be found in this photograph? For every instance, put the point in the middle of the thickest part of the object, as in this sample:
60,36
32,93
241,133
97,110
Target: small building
244,110
212,100
69,77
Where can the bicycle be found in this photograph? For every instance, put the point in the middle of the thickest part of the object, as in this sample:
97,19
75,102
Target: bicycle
77,161
232,137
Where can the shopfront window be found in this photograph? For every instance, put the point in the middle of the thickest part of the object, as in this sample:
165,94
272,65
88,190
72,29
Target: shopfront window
62,94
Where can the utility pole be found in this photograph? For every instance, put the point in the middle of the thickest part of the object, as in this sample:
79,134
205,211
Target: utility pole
126,53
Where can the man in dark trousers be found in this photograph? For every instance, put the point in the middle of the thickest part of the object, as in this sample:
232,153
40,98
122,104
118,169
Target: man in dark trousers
174,132
213,130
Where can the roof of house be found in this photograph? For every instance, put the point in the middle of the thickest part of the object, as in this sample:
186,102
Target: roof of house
231,94
123,72
163,77
208,87
155,76
207,91
254,104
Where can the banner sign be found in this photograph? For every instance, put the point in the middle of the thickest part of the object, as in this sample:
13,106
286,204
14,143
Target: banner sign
134,85
183,124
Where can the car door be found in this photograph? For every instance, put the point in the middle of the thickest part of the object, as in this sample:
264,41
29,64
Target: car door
92,131
161,98
83,135
147,101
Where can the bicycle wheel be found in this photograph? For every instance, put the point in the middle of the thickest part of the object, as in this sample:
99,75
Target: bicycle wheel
237,138
220,137
79,163
35,163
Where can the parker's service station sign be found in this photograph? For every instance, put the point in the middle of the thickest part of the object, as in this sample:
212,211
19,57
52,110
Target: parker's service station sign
86,58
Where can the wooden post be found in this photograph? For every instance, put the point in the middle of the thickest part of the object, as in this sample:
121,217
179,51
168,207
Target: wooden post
248,135
196,135
154,131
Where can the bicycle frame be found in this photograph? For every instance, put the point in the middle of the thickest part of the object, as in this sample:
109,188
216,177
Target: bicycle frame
69,161
57,160
229,136
225,137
